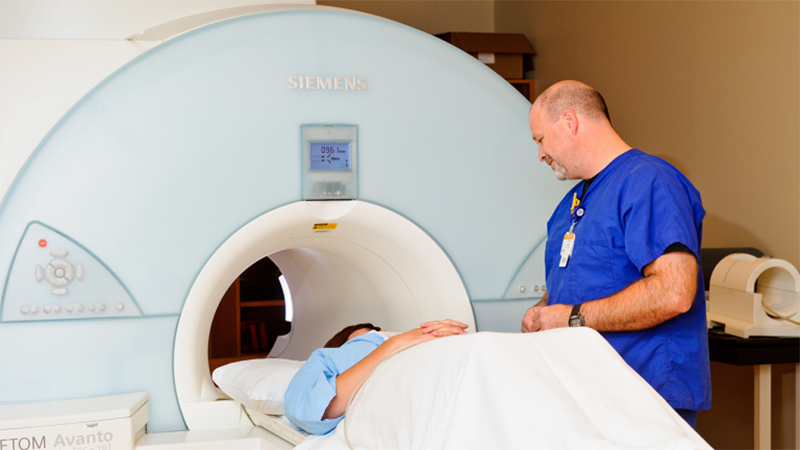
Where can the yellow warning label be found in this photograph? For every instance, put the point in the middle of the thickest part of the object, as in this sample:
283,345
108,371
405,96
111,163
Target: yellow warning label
324,226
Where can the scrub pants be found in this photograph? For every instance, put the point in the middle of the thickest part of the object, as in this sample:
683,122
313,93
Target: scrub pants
689,416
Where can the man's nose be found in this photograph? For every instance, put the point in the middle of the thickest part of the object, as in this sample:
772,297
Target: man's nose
542,155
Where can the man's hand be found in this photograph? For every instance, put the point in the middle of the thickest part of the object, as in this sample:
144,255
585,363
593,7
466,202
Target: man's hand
542,317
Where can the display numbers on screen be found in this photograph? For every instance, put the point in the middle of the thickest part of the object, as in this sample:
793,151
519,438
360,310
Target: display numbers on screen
330,156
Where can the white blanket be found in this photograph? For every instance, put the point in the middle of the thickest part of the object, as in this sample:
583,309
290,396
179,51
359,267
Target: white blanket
559,389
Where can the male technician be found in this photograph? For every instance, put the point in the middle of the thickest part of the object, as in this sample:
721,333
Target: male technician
623,248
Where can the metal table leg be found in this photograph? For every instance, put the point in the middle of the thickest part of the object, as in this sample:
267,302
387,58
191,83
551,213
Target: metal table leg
762,412
797,405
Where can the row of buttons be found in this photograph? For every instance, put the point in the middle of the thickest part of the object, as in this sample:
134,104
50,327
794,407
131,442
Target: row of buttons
535,288
70,308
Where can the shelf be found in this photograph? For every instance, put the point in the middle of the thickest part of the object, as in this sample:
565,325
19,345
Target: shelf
260,303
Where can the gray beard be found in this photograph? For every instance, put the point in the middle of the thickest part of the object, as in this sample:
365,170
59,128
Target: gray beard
561,171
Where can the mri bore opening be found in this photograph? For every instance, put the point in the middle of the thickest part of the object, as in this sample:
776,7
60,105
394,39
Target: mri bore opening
251,316
376,266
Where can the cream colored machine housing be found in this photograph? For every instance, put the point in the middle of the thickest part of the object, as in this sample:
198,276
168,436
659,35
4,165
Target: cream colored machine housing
743,290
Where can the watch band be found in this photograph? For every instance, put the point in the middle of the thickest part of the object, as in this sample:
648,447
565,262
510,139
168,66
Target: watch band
575,317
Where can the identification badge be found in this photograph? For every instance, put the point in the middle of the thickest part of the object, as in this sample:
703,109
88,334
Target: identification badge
566,248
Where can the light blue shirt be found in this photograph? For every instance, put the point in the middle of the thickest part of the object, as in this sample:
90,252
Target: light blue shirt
314,386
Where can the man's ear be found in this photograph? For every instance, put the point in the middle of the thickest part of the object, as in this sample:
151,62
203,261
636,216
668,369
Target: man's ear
570,120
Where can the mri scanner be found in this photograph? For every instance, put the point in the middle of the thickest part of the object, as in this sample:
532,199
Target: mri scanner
391,178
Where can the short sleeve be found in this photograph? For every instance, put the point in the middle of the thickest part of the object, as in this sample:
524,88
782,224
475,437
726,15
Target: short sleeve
314,385
309,394
659,208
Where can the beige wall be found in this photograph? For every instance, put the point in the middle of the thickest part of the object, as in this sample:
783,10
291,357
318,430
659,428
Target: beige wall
430,16
712,87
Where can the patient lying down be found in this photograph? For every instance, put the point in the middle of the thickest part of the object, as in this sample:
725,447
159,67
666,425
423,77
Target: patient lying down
317,397
562,388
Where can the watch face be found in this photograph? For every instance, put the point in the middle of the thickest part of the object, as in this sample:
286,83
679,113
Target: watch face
576,321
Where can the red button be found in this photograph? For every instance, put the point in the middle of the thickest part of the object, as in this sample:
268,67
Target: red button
42,243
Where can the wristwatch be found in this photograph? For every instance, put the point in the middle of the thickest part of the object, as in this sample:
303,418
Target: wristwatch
575,318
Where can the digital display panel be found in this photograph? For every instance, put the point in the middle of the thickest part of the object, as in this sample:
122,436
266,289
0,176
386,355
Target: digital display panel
330,155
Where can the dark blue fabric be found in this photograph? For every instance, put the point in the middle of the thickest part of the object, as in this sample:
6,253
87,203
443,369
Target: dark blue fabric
689,416
314,385
637,207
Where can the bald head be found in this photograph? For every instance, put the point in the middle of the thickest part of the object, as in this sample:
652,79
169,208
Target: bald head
569,123
574,95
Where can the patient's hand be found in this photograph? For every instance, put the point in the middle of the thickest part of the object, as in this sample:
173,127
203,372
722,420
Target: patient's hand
446,327
428,332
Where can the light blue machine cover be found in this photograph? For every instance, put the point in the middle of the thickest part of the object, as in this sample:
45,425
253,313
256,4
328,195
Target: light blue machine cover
159,164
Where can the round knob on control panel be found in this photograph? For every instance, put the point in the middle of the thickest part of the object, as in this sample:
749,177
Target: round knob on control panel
101,307
70,308
59,272
120,306
79,307
92,307
34,310
24,310
50,274
57,309
47,309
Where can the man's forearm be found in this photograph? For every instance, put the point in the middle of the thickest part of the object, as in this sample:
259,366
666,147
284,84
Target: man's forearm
667,289
639,306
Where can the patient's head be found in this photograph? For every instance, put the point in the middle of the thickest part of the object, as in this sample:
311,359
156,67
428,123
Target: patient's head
350,332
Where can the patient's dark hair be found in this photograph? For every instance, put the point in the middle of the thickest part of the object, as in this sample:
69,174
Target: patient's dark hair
341,337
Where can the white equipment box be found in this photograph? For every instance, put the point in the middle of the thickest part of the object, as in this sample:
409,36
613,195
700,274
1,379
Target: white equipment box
101,423
755,296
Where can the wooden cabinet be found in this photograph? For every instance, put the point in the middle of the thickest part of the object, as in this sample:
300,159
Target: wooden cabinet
525,87
250,317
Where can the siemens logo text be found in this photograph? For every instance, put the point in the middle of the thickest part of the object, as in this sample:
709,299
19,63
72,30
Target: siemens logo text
328,83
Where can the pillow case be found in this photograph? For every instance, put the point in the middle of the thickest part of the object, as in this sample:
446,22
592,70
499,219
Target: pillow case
257,383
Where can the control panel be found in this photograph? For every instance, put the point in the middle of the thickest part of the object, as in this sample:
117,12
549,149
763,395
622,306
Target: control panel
53,277
330,164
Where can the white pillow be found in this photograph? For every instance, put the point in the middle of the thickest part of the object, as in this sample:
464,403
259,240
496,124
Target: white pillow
257,383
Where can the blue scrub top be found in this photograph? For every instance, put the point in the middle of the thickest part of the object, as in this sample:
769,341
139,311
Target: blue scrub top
634,209
314,385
